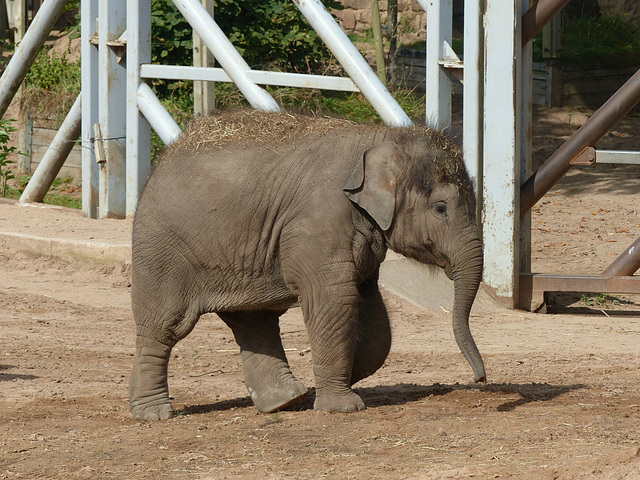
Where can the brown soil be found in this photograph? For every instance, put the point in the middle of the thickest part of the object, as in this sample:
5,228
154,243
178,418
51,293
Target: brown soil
562,400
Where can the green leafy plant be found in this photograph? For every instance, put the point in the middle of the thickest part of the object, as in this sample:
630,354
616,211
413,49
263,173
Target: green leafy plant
599,41
6,127
271,33
52,85
599,300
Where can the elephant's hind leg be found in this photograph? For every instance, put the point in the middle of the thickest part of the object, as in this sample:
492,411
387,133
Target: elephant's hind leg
148,387
266,372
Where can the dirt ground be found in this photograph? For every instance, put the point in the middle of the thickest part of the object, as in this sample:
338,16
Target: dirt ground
562,400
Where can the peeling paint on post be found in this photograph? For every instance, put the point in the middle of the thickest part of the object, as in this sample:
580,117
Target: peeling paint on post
501,149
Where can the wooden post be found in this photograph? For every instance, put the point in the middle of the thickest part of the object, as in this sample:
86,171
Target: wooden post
204,102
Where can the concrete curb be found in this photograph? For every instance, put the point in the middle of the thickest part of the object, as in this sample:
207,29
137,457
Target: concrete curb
66,233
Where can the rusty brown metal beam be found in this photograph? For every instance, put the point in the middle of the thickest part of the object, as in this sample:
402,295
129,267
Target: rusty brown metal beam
540,13
534,285
627,263
556,166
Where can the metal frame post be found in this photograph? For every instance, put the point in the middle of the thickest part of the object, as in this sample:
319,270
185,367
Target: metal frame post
90,90
472,112
112,80
204,102
438,83
526,129
138,145
502,149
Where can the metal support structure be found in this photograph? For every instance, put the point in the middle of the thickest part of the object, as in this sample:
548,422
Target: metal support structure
138,142
204,101
54,157
353,63
551,171
627,263
28,50
283,79
112,81
536,17
502,149
438,83
161,121
225,54
472,93
534,286
90,96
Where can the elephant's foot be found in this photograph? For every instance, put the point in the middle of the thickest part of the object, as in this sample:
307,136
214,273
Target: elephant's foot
347,403
148,387
160,411
278,395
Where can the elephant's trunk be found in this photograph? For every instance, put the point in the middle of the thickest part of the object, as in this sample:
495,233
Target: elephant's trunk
467,275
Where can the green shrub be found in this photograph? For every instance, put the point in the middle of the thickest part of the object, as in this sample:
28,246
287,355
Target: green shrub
610,40
292,46
52,85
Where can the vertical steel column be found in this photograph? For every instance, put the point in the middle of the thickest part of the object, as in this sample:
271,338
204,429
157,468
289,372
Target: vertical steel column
90,197
112,79
353,63
28,50
526,128
203,92
138,145
438,83
472,92
501,149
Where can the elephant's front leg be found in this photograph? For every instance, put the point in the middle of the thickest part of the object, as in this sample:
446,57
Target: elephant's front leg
331,319
266,372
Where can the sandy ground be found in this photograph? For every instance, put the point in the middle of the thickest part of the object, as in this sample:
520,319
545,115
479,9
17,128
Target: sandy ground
562,400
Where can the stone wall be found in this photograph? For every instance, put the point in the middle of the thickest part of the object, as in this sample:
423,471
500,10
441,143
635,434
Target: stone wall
356,17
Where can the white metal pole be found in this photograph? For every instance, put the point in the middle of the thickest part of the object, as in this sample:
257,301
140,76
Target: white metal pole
472,94
353,63
89,53
225,53
501,155
112,79
54,157
438,84
28,50
153,110
138,147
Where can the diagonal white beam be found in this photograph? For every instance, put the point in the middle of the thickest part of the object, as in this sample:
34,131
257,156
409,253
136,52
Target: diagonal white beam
226,54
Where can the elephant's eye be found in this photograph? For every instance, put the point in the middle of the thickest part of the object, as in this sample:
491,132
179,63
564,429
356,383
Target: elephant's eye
441,209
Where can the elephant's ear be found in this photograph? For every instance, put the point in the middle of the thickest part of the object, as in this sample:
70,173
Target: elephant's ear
372,184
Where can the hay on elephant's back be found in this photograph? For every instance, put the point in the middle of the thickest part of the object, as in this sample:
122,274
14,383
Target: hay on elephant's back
211,132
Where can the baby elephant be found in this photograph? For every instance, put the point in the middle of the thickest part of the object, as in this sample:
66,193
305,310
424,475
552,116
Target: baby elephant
251,213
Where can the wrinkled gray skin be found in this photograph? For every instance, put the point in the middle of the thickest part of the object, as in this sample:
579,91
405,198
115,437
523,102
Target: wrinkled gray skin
248,231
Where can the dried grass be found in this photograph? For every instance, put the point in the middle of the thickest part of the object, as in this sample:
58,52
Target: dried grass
241,126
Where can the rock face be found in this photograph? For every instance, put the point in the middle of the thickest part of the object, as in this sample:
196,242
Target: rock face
356,16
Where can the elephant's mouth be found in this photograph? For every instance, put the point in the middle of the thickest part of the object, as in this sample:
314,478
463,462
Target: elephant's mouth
444,263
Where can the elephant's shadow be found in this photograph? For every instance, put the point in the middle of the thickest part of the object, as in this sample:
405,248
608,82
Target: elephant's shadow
403,393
